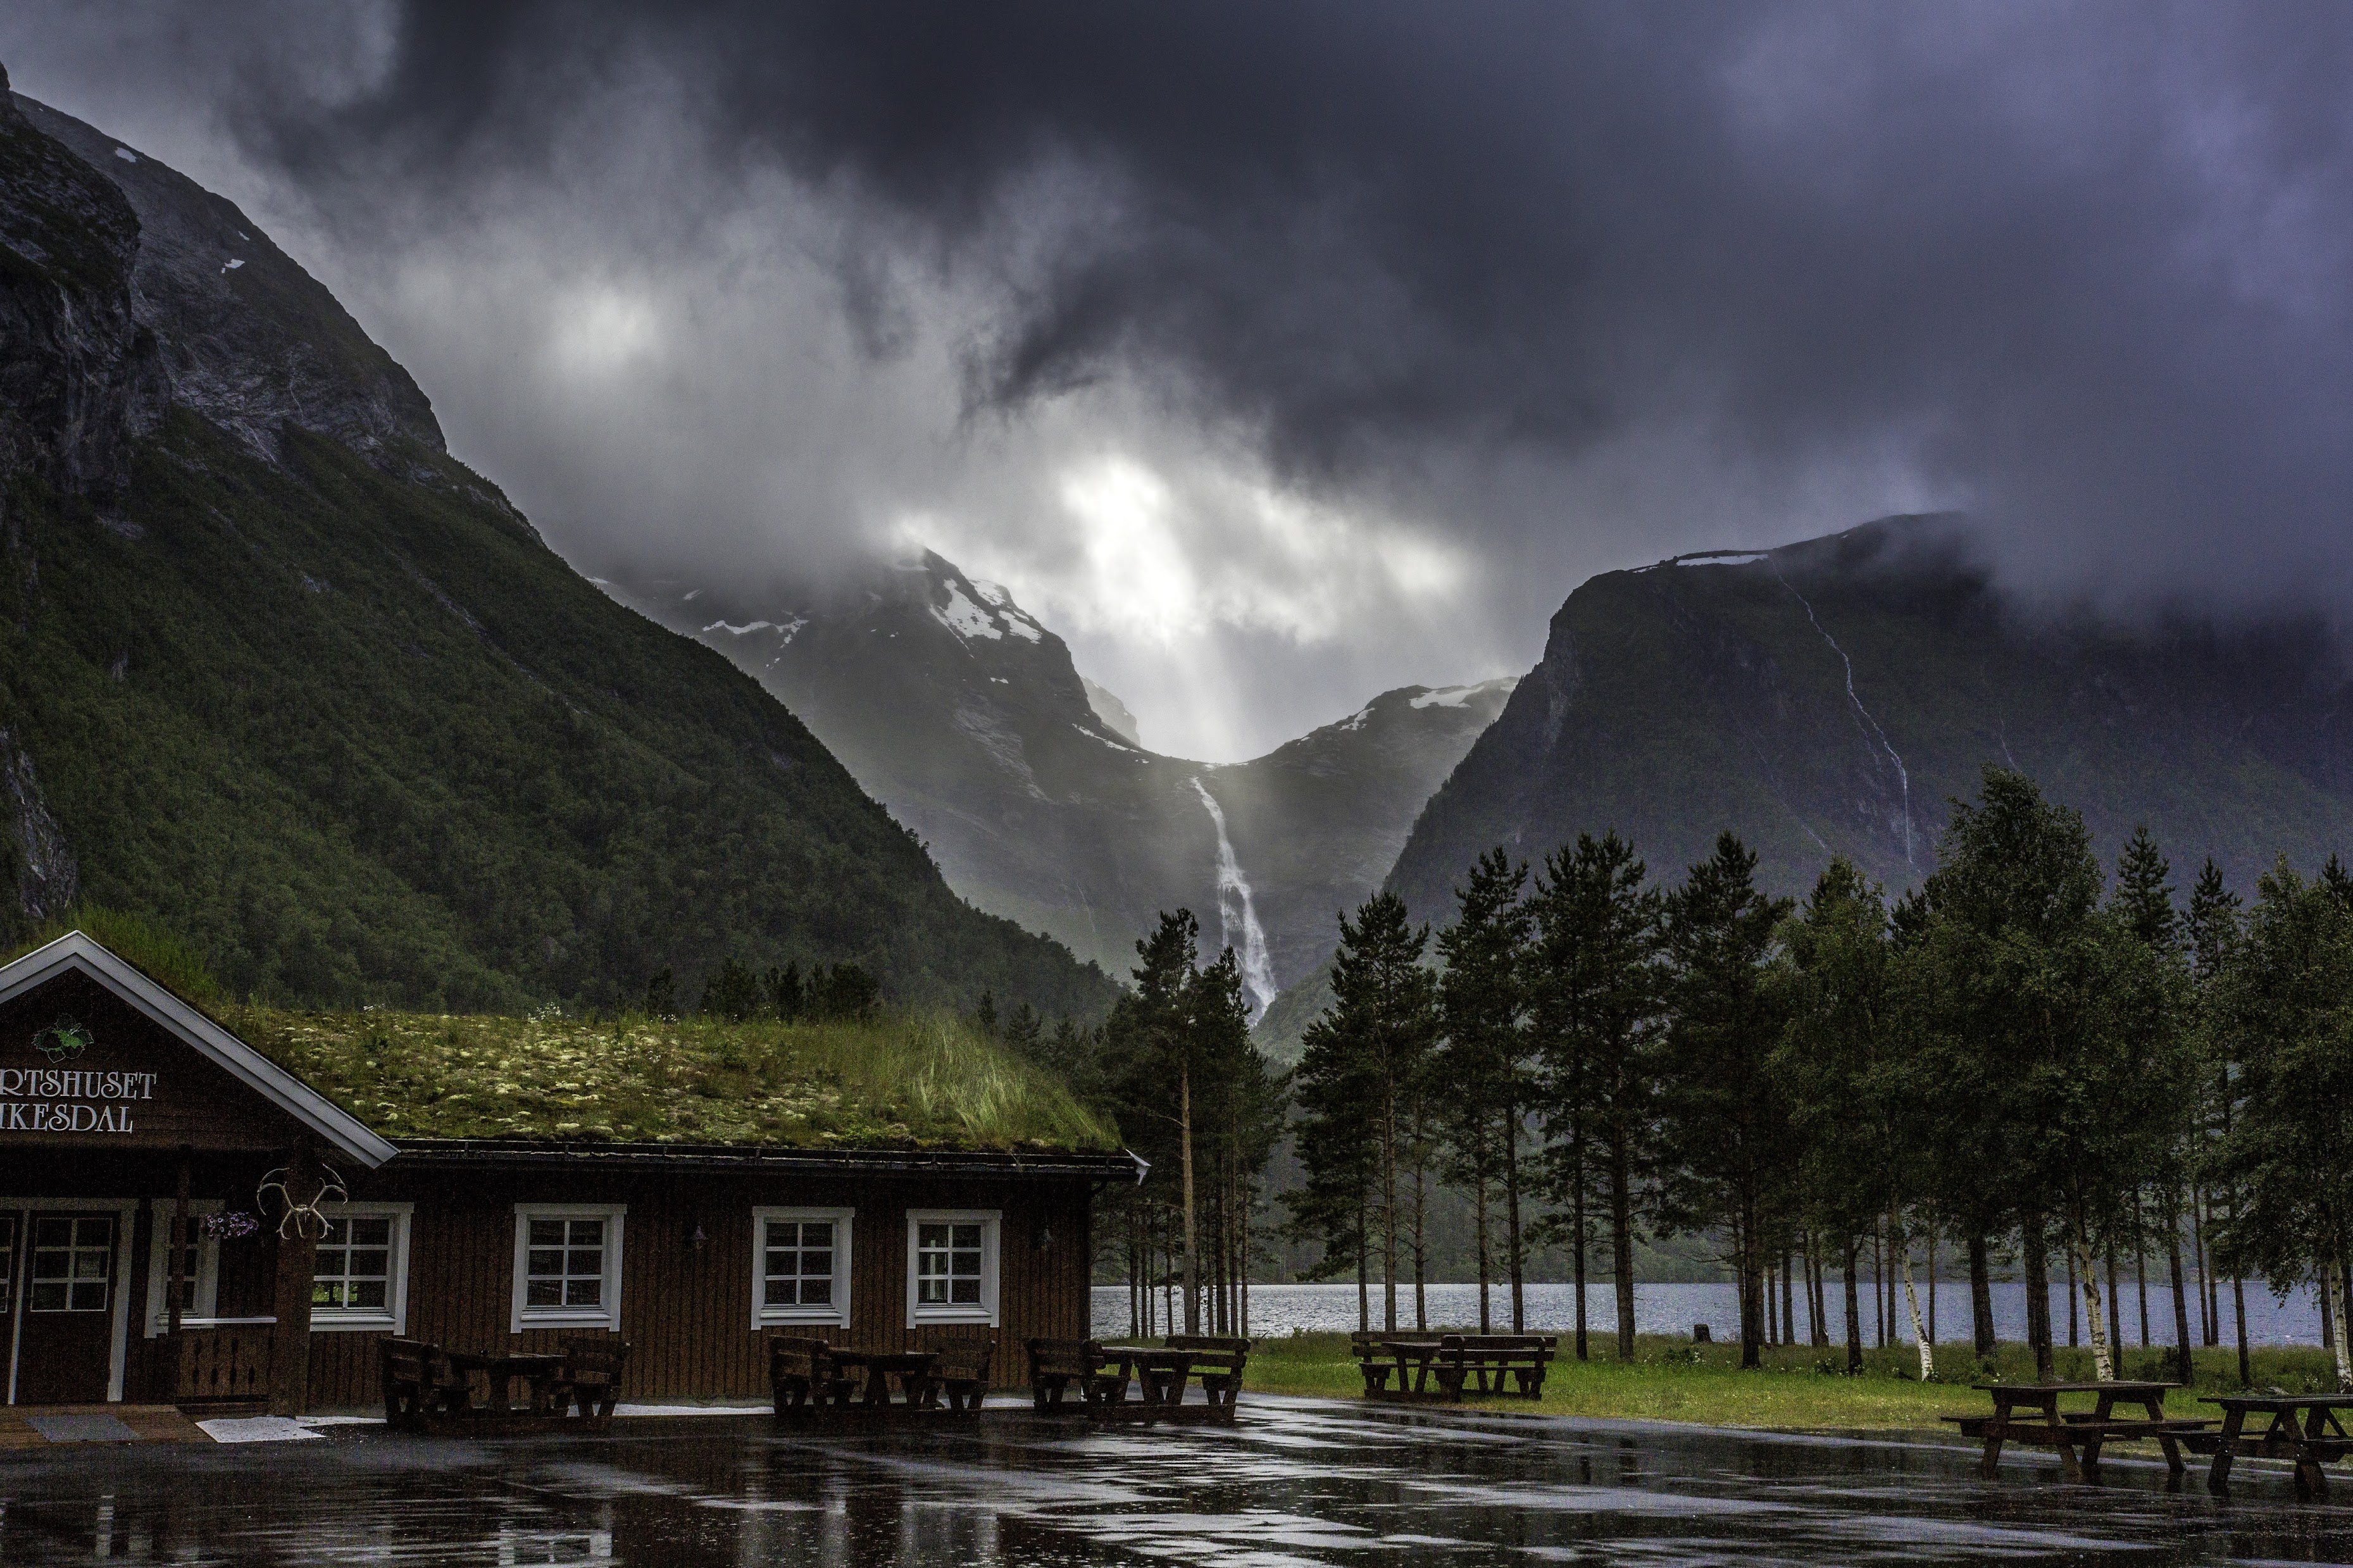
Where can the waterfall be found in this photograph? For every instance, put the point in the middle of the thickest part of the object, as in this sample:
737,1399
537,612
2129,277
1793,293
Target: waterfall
1235,909
1903,778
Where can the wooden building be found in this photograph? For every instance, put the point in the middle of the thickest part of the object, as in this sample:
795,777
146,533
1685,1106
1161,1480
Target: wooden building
180,1220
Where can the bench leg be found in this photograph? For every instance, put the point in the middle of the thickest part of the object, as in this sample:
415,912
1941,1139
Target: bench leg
2173,1464
2068,1465
2310,1481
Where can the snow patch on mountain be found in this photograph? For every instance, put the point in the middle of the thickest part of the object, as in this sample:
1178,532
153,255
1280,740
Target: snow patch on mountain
964,617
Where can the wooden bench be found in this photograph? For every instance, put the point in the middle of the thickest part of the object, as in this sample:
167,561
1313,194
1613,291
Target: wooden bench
961,1372
420,1388
1058,1365
2305,1429
1218,1361
802,1375
589,1380
1448,1366
2075,1432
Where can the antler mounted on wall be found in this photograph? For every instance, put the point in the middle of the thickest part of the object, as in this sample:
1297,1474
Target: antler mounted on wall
303,1185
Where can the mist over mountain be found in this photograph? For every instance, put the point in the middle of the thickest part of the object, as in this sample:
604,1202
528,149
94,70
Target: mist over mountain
1831,697
1028,782
279,673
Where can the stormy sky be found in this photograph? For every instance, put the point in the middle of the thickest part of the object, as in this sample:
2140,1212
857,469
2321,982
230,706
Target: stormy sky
1276,355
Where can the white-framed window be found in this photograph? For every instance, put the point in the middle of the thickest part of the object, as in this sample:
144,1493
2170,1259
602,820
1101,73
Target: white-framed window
800,1266
951,1265
200,1264
360,1280
568,1266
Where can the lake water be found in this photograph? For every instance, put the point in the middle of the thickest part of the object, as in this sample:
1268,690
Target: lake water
1674,1308
1291,1484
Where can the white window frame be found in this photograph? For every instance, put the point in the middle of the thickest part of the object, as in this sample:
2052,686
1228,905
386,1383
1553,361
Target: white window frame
992,1230
606,1315
838,1314
393,1317
159,1266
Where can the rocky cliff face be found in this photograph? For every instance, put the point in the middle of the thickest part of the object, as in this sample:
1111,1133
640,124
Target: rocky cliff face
965,715
1830,697
239,332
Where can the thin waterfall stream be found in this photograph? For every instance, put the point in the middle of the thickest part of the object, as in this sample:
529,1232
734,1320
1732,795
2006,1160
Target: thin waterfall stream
1236,910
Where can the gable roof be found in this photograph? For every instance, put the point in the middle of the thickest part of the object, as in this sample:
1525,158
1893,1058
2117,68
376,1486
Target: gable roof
76,953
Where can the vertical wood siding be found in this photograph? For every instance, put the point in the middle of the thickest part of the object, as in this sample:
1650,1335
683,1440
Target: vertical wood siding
687,1311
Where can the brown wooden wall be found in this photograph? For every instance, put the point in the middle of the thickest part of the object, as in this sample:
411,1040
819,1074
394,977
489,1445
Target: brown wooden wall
687,1311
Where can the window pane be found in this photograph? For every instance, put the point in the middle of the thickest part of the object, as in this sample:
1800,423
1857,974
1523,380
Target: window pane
779,1293
547,1233
931,1235
49,1296
817,1292
377,1264
967,1291
967,1236
782,1233
818,1233
371,1294
543,1293
53,1233
89,1297
584,1262
588,1233
818,1263
931,1292
326,1293
583,1292
550,1262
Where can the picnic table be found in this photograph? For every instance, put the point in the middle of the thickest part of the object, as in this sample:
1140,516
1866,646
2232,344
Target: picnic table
500,1369
917,1387
2303,1427
1446,1366
1159,1371
2069,1431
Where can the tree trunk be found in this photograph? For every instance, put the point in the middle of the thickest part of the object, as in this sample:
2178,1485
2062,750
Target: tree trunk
1420,1252
2181,1365
1920,1335
2103,1366
1931,1285
1751,1248
2246,1362
1479,1228
1622,1233
2210,1301
1192,1237
1853,1309
1980,1296
1576,1212
2116,1311
1389,1207
2037,1264
2334,1287
1249,1199
1879,1282
1364,1260
2141,1274
2072,1332
1513,1258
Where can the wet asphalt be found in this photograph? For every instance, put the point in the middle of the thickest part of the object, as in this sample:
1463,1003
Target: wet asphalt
1292,1482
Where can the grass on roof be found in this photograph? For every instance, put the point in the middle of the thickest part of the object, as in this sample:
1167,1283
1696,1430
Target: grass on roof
906,1081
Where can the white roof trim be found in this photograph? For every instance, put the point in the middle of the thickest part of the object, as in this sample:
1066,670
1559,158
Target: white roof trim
75,951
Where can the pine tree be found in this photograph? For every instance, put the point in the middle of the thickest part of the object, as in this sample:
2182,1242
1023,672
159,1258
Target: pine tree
1595,994
2214,934
1363,1058
1725,1127
2142,905
1483,1067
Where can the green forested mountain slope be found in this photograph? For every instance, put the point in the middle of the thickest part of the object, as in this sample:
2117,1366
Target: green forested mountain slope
1693,695
281,674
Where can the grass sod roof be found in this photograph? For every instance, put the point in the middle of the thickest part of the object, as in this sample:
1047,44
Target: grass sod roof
904,1081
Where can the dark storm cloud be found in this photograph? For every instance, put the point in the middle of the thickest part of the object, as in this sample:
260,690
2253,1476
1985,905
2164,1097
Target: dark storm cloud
2082,268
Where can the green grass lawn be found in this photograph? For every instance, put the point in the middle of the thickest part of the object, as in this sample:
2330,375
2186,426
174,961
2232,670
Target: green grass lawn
1798,1388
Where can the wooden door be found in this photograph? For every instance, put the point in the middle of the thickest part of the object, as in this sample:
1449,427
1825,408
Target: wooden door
65,1347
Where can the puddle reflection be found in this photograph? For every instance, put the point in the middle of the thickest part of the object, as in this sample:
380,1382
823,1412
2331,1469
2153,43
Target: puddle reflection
1291,1484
